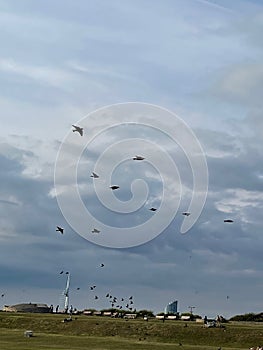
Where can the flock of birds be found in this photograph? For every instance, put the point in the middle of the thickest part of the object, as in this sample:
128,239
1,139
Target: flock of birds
112,299
115,187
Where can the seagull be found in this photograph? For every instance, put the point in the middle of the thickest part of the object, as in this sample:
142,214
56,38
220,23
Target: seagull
101,265
94,175
186,213
95,230
60,229
78,129
153,209
138,158
228,220
114,187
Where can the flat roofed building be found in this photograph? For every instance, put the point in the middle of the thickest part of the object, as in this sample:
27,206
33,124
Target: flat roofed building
30,307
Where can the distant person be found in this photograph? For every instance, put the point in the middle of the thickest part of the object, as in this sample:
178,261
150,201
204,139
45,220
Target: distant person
57,307
71,310
51,308
205,320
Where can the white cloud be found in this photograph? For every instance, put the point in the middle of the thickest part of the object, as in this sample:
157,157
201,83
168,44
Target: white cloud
41,74
243,84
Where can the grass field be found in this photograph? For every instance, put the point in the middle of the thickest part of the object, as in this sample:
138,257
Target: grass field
103,333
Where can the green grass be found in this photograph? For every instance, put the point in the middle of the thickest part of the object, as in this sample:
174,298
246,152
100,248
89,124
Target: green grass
103,333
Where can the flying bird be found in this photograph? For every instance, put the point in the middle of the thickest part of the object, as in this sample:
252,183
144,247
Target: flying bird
138,158
78,129
94,175
96,297
2,295
107,295
95,230
153,209
130,298
228,220
60,229
61,272
78,288
186,213
114,187
101,265
67,273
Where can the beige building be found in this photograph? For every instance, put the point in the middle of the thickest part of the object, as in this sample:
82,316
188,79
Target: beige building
30,307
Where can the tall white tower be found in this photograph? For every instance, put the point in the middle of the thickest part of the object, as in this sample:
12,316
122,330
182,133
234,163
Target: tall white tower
65,295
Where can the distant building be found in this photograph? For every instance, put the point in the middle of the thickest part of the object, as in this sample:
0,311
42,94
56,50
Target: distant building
160,317
132,316
186,317
171,308
107,313
30,307
88,312
172,317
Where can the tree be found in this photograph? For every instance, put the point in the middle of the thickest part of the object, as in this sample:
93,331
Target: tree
144,312
250,317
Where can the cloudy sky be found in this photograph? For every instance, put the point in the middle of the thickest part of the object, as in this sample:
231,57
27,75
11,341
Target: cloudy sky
60,61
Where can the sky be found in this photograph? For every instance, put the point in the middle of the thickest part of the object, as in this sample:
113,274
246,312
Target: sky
186,66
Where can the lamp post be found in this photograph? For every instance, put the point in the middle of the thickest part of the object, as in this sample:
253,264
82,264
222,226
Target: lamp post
191,309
